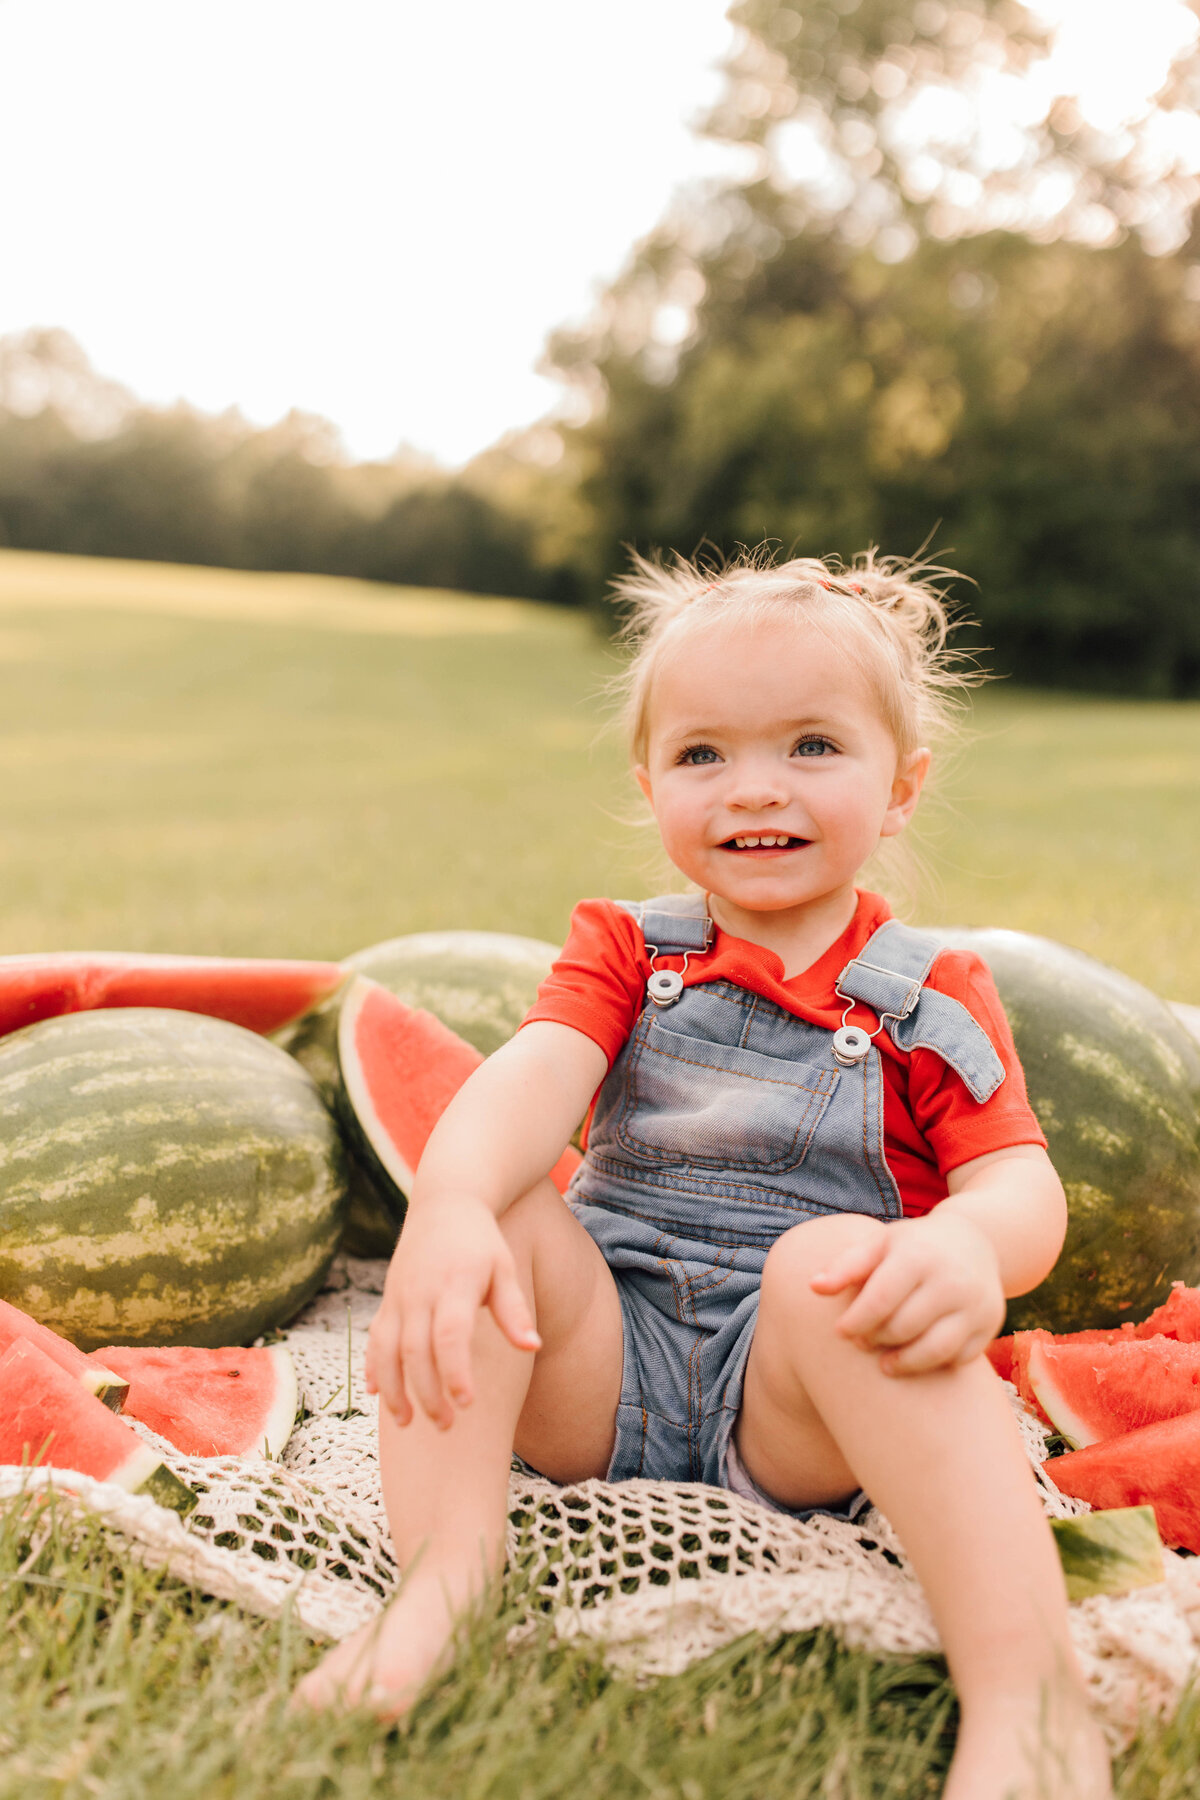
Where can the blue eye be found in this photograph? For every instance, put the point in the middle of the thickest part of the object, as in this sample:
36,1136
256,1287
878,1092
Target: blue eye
697,755
812,747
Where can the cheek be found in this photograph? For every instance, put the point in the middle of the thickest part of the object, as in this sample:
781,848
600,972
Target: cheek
680,816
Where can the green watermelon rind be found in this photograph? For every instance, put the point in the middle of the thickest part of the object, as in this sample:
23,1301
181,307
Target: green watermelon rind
1114,1079
164,1178
1109,1552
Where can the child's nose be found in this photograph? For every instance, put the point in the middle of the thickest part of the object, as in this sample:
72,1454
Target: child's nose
753,788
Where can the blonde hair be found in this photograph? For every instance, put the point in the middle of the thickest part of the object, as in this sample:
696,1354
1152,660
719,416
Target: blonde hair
891,612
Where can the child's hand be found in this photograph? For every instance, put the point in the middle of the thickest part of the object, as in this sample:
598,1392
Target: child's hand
452,1259
930,1294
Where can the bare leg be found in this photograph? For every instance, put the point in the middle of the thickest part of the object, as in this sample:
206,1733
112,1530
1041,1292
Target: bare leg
446,1491
941,1456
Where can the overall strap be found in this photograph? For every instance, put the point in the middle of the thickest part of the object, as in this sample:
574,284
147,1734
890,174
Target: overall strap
889,975
673,923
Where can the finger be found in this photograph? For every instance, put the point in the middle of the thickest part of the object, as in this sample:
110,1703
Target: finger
886,1290
937,1348
850,1269
420,1371
452,1331
510,1309
912,1317
385,1374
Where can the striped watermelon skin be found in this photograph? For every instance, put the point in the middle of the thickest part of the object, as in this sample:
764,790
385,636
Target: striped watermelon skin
165,1178
478,983
1114,1078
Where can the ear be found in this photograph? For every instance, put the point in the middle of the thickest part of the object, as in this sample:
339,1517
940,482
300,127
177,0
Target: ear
641,775
906,791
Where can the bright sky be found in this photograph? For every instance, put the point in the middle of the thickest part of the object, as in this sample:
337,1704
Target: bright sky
374,210
370,209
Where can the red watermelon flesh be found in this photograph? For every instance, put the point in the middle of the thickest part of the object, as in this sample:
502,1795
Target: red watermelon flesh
1158,1466
258,993
96,1378
210,1402
1023,1343
1178,1317
1008,1355
48,1418
401,1067
1094,1392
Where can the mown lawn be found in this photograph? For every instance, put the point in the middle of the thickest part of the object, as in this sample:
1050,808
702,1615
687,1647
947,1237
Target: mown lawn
211,762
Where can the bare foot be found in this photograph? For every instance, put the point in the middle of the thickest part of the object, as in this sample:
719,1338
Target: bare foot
385,1664
1028,1749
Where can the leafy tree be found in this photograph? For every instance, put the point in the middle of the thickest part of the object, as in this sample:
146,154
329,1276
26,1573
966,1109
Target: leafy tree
837,357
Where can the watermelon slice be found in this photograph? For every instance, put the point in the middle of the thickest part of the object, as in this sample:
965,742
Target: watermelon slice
1158,1466
96,1378
1109,1552
210,1402
1093,1392
48,1418
259,993
400,1068
1178,1317
1010,1355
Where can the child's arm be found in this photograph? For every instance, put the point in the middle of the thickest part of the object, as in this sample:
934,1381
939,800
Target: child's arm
502,1133
932,1290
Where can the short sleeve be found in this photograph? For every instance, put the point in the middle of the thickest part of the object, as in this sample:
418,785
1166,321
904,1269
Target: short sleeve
956,1127
598,984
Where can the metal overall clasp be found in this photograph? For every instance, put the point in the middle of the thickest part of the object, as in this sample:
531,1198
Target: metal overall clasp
850,1042
665,985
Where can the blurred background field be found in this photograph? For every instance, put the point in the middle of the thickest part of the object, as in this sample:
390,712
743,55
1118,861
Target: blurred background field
206,761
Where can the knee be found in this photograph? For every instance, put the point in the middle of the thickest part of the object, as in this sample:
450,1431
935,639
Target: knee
522,1223
805,1250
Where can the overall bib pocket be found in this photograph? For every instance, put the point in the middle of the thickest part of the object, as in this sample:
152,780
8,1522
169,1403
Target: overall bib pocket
688,1100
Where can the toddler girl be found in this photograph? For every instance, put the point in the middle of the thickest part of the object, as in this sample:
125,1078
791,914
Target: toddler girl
811,1179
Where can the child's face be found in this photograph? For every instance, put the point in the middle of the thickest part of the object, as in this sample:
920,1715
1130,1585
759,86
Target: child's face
772,732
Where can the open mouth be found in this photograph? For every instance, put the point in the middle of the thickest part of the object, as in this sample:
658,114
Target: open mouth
768,841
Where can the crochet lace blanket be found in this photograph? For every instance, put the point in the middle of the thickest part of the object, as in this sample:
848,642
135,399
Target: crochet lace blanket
660,1573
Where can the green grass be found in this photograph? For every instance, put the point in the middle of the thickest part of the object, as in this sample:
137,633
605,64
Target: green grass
216,762
211,762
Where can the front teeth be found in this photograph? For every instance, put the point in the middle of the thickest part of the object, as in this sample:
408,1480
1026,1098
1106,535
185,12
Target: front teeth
752,843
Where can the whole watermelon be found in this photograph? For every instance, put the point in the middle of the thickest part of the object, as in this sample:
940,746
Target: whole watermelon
164,1179
479,983
1114,1078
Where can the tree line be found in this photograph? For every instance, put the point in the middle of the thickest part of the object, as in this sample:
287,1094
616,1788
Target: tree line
177,485
864,335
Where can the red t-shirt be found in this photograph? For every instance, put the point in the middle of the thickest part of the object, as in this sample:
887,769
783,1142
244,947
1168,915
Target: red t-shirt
931,1124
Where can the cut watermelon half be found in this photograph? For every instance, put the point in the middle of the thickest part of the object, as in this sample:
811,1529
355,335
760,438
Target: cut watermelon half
1158,1466
400,1069
211,1402
262,994
16,1325
48,1419
1093,1392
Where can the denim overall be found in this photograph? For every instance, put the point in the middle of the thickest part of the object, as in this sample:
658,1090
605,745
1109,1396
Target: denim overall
723,1122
